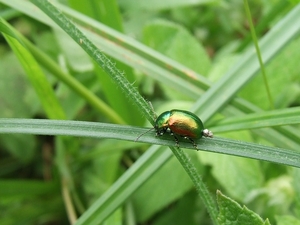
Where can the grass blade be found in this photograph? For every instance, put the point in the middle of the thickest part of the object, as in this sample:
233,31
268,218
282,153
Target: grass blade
129,133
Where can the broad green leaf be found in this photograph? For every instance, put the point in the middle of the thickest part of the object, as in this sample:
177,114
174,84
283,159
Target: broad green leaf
21,103
238,176
177,43
280,194
231,213
287,220
282,72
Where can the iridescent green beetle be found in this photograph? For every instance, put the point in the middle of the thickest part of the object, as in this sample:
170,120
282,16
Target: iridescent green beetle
180,123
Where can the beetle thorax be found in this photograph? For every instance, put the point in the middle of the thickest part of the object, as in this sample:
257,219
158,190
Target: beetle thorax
162,123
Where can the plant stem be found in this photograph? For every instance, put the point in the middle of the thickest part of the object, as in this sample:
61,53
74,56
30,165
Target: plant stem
262,67
201,188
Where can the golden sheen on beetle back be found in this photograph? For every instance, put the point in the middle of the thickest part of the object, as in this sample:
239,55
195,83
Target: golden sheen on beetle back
180,123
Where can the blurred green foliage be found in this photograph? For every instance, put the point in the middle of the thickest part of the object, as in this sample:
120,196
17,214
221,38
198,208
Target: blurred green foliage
206,36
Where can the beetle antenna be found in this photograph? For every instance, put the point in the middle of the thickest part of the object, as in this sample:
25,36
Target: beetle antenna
143,134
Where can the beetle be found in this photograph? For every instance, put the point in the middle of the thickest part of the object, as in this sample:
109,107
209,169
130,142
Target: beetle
180,123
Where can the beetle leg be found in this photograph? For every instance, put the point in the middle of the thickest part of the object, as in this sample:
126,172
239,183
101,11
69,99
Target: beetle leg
193,142
161,132
176,139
